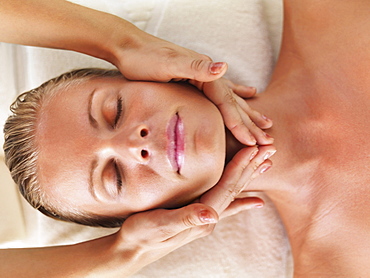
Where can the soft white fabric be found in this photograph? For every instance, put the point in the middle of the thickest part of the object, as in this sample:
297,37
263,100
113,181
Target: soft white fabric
246,34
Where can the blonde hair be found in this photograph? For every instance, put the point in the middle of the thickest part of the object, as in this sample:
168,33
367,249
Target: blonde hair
21,150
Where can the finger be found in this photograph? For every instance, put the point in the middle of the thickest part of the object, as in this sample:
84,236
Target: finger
262,168
235,117
237,175
236,111
183,226
223,97
262,137
251,120
161,224
241,90
188,235
258,165
192,222
242,204
196,67
262,121
221,195
254,121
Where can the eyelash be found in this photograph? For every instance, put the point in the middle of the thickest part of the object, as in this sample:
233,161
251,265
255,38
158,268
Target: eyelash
119,112
118,175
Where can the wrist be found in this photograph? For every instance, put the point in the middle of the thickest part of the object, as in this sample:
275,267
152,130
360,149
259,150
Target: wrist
124,37
104,35
120,257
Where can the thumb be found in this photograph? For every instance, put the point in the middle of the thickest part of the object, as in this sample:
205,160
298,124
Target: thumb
192,215
199,68
242,204
162,224
185,219
207,71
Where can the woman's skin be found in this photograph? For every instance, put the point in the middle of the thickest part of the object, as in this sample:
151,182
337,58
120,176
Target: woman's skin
319,100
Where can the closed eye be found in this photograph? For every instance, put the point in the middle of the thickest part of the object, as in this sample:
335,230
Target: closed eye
119,112
118,176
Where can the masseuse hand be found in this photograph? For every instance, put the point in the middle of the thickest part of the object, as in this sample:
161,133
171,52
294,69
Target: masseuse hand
244,123
148,236
151,58
245,166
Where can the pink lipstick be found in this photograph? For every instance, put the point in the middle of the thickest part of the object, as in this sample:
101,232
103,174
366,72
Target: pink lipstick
175,142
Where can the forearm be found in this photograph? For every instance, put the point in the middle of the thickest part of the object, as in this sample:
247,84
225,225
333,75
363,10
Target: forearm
63,25
95,258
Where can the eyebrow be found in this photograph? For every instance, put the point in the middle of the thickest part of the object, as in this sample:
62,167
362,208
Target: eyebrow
92,120
94,165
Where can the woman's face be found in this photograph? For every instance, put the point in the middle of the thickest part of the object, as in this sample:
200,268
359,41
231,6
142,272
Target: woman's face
115,147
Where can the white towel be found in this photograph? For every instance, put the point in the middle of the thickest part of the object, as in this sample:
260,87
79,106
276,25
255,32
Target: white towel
246,34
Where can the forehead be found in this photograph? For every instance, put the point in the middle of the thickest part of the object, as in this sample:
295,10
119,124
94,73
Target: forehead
62,148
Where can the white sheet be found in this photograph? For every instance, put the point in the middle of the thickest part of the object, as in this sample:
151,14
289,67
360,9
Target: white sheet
246,34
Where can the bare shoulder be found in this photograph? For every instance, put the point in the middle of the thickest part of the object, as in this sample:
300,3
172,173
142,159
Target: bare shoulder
328,7
321,17
332,37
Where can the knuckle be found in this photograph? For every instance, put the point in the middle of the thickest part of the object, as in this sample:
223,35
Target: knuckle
197,64
252,125
236,124
206,230
206,58
229,97
170,53
189,221
164,231
232,190
255,165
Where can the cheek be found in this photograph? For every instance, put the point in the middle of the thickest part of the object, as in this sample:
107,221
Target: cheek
207,171
146,189
150,191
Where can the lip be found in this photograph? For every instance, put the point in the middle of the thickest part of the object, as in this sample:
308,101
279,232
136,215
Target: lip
175,142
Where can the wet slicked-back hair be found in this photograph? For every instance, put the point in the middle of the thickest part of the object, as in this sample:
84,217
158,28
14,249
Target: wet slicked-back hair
21,150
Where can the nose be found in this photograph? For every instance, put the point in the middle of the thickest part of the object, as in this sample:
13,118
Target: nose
135,143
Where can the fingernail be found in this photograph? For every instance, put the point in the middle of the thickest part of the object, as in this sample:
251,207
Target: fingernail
258,205
265,168
216,68
206,217
253,140
267,135
269,154
250,88
254,153
266,118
